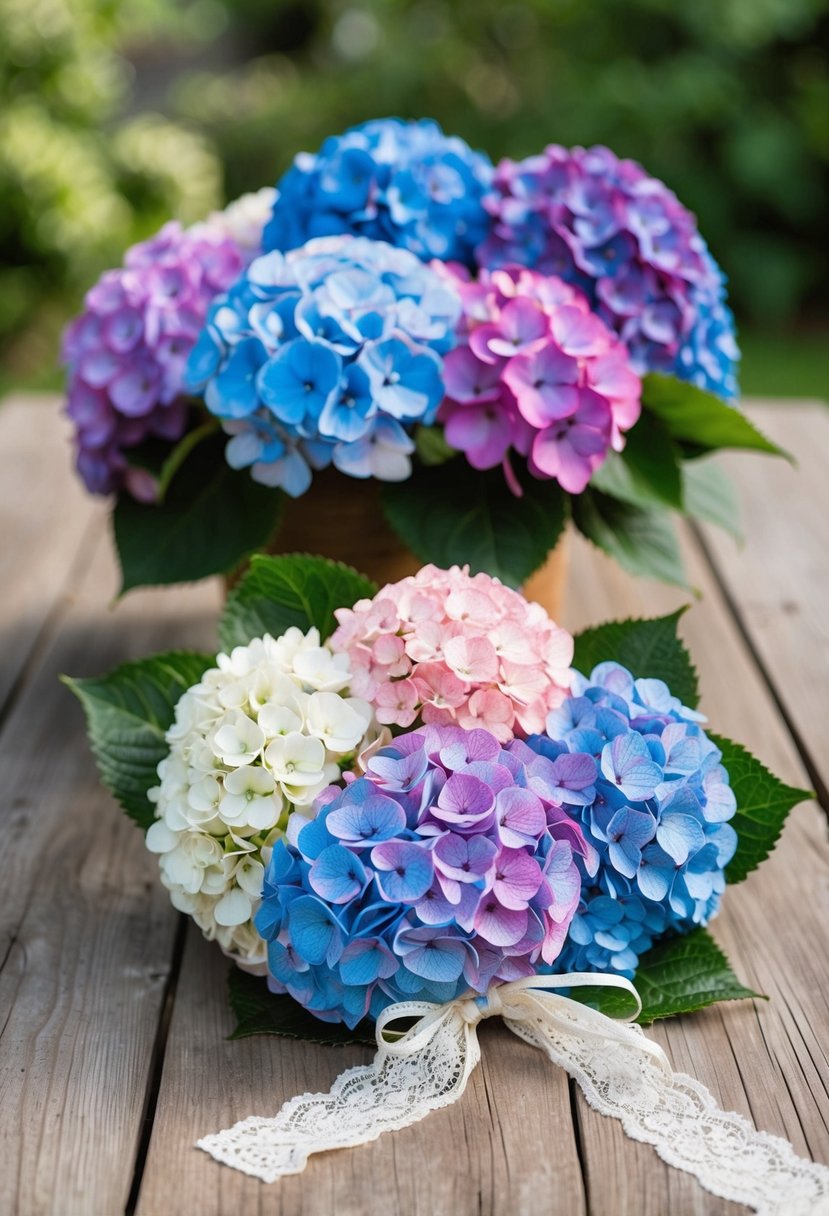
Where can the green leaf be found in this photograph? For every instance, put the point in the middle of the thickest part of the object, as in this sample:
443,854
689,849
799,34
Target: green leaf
676,976
259,1011
649,648
455,514
708,494
763,802
211,518
647,472
641,539
278,592
128,713
700,418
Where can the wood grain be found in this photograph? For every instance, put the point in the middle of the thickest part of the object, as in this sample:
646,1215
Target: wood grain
764,1059
86,933
780,576
44,519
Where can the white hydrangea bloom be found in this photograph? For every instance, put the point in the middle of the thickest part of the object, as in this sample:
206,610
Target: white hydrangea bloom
244,219
263,732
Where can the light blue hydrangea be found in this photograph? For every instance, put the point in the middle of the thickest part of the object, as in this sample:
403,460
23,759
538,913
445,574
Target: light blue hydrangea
657,817
709,356
402,182
329,354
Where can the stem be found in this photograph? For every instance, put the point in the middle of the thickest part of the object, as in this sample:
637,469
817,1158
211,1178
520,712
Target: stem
180,453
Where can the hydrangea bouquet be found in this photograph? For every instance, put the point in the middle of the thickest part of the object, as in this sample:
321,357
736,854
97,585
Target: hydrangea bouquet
402,810
418,795
498,350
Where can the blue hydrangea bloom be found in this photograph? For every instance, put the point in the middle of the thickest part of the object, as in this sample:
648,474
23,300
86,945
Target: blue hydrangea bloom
447,867
329,354
657,820
402,182
708,357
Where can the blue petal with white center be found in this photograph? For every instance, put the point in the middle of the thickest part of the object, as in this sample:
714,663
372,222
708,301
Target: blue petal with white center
330,354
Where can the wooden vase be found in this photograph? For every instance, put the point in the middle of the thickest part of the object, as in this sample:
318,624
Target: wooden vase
341,518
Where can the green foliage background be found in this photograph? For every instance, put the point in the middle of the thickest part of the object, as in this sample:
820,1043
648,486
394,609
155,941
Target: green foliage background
117,114
82,171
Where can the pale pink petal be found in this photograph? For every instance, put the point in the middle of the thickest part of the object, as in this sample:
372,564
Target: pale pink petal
396,703
473,659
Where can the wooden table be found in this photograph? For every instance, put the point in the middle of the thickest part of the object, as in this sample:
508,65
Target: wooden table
113,1015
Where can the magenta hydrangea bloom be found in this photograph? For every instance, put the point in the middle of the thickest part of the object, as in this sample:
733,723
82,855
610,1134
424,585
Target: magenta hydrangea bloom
536,372
448,867
449,647
605,225
126,352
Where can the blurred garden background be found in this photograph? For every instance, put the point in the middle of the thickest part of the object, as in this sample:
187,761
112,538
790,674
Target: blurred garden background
118,114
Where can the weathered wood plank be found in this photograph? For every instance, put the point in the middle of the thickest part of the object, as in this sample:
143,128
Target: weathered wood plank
90,934
44,515
764,1059
780,577
86,934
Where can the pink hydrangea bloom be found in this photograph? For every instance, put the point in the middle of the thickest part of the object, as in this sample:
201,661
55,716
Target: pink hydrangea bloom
537,372
448,647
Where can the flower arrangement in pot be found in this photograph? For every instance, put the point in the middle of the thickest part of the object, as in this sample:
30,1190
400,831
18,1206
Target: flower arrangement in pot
401,810
404,353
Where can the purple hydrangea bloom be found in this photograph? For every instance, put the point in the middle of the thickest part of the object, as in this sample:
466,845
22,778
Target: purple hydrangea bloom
330,354
657,816
608,227
127,351
402,182
449,866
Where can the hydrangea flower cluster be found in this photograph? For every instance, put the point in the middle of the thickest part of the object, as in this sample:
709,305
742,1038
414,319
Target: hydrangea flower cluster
537,372
657,816
453,648
127,351
621,235
263,732
326,355
402,182
449,866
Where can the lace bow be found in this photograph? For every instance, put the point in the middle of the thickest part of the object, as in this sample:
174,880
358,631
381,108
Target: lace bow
621,1073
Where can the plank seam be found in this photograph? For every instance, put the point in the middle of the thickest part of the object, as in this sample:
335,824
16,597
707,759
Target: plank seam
818,785
156,1069
14,941
581,1155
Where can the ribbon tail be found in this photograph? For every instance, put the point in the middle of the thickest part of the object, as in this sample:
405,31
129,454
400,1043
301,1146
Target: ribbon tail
626,1080
392,1092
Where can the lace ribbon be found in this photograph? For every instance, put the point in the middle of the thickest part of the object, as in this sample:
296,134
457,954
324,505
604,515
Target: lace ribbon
621,1073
